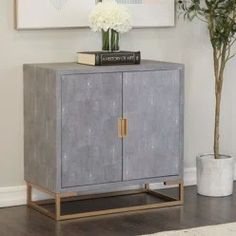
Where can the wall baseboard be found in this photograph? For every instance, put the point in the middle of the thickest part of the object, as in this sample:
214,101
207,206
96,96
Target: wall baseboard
12,196
16,195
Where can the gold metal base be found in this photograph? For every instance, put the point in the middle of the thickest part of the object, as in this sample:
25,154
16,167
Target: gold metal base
63,197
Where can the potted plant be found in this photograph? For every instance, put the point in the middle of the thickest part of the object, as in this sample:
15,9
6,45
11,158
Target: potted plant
111,19
215,171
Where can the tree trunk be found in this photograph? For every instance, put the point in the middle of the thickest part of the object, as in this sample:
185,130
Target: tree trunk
217,124
219,66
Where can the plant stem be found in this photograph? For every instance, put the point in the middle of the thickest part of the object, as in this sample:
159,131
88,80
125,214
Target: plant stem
219,78
114,40
217,126
105,40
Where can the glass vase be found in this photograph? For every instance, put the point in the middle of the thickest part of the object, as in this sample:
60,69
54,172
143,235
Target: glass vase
110,40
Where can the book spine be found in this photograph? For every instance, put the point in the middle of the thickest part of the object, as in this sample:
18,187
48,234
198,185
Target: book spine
118,59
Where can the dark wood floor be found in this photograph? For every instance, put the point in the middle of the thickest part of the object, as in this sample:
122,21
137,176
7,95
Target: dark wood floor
197,211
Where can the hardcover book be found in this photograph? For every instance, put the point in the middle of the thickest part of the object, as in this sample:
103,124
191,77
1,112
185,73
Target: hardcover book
99,58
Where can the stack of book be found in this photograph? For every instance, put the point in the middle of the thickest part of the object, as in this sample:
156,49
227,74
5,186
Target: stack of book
100,58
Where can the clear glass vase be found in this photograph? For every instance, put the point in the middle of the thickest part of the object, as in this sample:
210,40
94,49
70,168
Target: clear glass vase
110,40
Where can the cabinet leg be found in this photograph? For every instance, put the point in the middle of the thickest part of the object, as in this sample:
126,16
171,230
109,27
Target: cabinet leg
29,193
180,187
181,192
58,206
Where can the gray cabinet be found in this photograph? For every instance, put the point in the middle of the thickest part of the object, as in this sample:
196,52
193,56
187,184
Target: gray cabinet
74,118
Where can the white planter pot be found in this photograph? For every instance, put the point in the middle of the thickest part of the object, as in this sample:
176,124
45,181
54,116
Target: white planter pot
215,176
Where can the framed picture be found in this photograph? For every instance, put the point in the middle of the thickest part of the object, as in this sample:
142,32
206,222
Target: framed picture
46,14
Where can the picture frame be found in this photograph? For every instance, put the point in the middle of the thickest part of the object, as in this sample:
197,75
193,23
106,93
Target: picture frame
50,14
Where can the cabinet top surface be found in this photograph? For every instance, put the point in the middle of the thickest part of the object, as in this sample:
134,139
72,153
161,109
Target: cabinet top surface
73,67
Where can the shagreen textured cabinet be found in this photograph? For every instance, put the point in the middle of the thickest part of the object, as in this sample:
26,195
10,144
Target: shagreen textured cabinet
91,129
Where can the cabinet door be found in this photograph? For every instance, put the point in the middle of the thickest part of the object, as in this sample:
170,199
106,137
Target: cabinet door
151,104
91,149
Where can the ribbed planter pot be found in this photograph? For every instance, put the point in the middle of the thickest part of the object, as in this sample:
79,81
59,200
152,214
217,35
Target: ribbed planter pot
215,176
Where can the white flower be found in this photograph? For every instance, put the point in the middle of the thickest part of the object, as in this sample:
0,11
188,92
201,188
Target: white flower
108,14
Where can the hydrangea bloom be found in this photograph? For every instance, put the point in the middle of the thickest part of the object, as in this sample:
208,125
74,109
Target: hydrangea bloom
108,14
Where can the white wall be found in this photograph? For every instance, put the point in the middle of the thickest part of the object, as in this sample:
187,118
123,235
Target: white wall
187,43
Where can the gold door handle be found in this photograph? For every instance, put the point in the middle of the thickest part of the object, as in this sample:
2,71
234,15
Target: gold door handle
122,127
125,127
